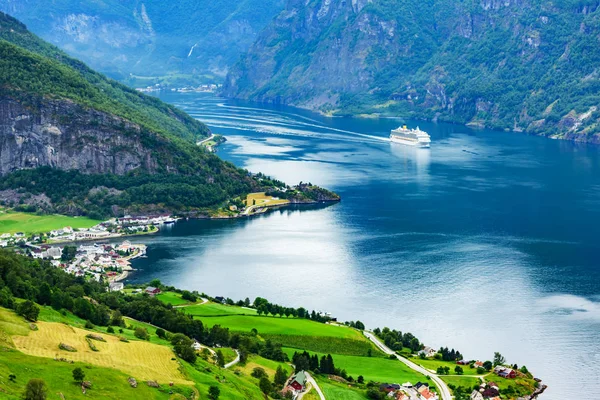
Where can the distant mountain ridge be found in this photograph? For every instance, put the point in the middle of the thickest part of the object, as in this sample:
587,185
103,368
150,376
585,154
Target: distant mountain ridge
182,40
524,65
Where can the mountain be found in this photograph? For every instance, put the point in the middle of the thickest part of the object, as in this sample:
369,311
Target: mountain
523,65
179,42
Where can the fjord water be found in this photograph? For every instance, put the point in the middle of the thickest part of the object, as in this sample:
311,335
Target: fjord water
488,241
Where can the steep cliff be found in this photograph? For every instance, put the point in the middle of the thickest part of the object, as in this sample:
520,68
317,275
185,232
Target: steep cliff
526,65
61,134
199,39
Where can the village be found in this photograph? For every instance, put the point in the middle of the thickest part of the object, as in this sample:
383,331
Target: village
104,261
110,262
110,229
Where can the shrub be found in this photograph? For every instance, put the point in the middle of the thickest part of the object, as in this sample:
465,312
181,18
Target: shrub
36,389
141,333
258,373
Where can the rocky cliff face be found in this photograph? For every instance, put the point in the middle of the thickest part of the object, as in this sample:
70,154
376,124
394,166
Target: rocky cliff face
526,65
63,135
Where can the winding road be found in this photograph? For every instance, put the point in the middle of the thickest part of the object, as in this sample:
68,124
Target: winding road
237,360
443,387
315,386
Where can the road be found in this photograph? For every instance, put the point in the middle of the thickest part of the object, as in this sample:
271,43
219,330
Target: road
443,388
315,385
206,140
237,360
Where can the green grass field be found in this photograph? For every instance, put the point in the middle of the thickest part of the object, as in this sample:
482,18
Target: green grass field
464,381
377,369
344,346
336,391
12,222
281,326
433,365
215,309
172,298
269,366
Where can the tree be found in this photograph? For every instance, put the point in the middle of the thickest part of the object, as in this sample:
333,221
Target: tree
280,377
359,325
458,369
117,318
68,253
214,392
78,375
161,333
265,385
36,389
488,365
44,295
155,283
220,359
110,329
141,333
28,310
498,359
258,372
360,379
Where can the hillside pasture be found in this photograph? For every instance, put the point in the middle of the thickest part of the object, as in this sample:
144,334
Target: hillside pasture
215,310
376,368
12,222
281,326
145,361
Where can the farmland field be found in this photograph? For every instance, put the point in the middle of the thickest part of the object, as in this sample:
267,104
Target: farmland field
345,346
12,222
464,381
269,366
377,369
433,364
172,298
336,391
281,325
214,309
142,360
107,383
261,199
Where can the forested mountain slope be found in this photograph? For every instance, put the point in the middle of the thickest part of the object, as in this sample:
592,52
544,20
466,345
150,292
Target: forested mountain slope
120,147
185,40
526,65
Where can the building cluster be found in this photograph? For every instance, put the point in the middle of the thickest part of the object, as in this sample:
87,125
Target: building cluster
208,88
408,391
7,239
96,261
487,391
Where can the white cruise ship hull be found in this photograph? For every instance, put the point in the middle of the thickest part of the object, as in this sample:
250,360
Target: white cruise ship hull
407,142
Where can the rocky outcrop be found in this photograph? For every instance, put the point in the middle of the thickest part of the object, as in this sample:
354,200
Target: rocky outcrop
63,135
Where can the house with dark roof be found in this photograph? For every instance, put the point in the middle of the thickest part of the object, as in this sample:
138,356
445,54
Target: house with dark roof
298,381
152,291
389,387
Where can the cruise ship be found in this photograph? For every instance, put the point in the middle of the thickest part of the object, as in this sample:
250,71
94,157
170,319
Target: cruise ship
410,137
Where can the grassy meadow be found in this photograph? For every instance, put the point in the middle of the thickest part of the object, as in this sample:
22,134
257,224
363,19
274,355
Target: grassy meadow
143,360
12,222
337,391
261,199
215,310
172,298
